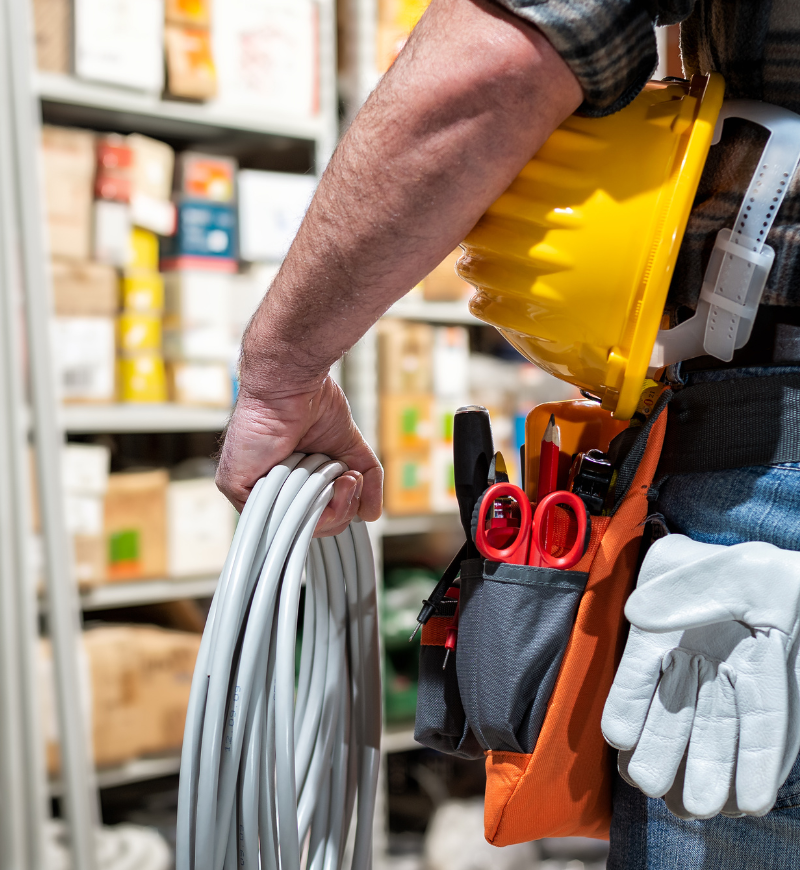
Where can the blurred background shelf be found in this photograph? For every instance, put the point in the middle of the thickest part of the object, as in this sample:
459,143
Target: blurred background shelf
90,419
417,525
456,313
138,770
149,113
143,592
399,738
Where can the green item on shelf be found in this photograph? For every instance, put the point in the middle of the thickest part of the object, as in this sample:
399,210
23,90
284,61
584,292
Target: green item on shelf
404,589
400,694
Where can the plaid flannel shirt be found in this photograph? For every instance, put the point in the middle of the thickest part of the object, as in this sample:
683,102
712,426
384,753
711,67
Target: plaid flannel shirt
610,45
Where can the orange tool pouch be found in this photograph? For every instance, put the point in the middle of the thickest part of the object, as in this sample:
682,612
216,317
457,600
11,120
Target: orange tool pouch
536,655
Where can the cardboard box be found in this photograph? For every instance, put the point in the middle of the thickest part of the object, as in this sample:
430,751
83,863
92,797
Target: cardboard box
121,42
205,176
443,484
271,209
198,344
405,424
52,21
205,230
200,526
407,484
85,469
196,298
206,384
190,62
450,364
267,55
138,332
112,233
153,164
84,289
443,283
141,378
143,250
405,357
137,680
68,160
84,351
142,291
194,12
135,523
248,289
88,560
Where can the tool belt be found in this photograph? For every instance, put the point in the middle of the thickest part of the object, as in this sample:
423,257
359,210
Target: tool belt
536,656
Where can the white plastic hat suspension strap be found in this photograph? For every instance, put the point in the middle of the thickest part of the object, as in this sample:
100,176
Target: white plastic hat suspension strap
741,260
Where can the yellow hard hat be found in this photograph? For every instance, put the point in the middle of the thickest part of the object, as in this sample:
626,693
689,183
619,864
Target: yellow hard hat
573,262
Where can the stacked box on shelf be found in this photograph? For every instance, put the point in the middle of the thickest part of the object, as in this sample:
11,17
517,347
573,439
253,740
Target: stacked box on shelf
85,293
139,679
191,72
85,470
444,284
140,366
396,20
201,265
267,56
406,408
451,391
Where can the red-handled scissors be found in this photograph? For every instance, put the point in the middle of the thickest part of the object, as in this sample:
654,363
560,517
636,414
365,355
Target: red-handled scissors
528,547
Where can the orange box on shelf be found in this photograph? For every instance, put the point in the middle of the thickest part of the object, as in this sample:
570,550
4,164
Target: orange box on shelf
135,525
194,12
190,62
407,483
406,423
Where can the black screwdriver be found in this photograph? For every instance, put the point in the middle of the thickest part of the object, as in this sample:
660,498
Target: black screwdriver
473,450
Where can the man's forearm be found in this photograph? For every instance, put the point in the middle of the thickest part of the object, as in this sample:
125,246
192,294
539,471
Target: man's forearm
470,99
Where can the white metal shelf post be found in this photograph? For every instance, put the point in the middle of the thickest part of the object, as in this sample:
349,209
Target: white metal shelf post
22,774
80,793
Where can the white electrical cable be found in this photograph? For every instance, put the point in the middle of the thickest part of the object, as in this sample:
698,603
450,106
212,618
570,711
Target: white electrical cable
265,774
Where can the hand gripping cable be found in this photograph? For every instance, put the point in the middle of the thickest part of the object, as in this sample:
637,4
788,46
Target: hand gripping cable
269,773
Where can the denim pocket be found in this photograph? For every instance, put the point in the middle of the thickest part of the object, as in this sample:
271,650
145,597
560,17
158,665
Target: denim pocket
440,720
515,622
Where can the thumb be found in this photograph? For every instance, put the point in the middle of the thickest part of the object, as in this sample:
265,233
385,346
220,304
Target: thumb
689,584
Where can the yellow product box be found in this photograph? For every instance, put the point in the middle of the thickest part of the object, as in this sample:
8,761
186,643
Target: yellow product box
142,291
406,423
138,332
141,379
407,484
143,250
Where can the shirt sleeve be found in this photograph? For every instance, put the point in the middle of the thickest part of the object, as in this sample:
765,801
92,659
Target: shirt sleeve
610,45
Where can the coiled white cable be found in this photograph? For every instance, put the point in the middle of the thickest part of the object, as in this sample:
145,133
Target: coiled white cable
265,773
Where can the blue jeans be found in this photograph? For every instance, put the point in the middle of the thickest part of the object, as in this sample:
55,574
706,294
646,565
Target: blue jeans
725,507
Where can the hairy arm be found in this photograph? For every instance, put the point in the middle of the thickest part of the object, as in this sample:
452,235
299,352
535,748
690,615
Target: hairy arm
470,99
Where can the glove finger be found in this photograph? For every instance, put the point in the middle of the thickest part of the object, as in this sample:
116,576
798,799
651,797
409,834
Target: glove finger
634,685
674,797
711,757
666,732
762,702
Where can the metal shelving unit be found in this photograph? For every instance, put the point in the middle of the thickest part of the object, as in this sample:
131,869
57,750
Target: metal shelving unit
94,419
25,95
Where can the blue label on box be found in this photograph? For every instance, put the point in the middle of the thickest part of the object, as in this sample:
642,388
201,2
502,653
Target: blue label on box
204,229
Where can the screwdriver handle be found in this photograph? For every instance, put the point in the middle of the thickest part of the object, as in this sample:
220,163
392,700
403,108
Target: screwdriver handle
473,450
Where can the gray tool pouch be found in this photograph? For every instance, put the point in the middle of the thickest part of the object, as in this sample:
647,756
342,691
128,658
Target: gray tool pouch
514,625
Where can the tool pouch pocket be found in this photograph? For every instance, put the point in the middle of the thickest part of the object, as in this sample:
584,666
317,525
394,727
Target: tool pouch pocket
515,623
441,722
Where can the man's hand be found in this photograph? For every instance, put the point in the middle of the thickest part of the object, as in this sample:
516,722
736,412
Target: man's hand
470,99
263,431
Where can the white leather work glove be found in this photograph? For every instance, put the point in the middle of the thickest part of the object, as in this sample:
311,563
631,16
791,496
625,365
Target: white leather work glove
704,705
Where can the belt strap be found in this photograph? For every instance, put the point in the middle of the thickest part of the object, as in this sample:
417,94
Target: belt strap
733,423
